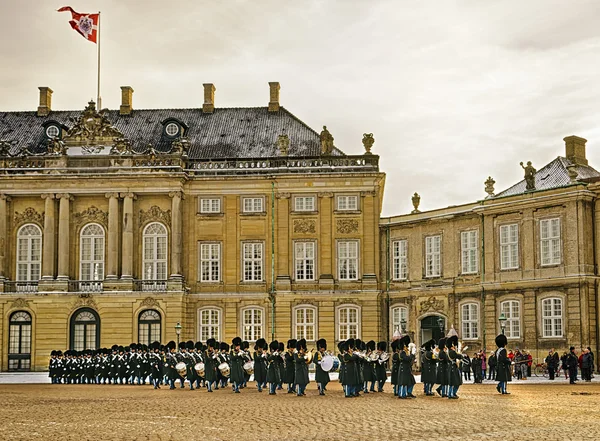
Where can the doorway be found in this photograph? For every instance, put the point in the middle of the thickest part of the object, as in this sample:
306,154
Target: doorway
433,327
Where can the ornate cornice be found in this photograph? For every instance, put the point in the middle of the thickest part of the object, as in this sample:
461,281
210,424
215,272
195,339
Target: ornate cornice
92,214
368,193
155,213
347,226
47,196
29,215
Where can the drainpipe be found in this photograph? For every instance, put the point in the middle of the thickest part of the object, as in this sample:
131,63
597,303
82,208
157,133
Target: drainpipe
272,293
483,278
387,280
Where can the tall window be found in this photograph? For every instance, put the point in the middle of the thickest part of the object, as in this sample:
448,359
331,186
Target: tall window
155,252
209,324
29,253
149,327
509,246
253,262
19,341
550,241
347,203
470,320
433,256
552,317
468,241
304,253
210,262
253,205
304,203
85,330
348,260
400,259
348,322
305,323
398,315
511,310
92,253
252,324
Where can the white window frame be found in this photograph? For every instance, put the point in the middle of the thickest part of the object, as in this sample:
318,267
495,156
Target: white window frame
305,203
145,324
255,327
469,324
210,327
172,129
253,204
31,264
552,319
512,311
396,318
95,262
345,257
209,205
208,261
400,259
301,327
152,265
550,241
469,251
305,260
345,202
433,256
255,264
343,326
509,246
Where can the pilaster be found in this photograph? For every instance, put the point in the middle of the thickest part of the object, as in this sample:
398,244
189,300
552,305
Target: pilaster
48,254
4,200
326,240
283,280
63,235
112,263
127,243
176,232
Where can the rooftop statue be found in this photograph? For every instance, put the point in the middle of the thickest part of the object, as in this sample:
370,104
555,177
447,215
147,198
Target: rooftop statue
529,176
326,141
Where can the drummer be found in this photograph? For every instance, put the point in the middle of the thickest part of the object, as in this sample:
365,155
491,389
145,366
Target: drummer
322,375
210,364
237,365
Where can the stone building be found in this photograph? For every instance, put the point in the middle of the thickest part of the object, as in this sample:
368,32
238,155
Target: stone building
117,225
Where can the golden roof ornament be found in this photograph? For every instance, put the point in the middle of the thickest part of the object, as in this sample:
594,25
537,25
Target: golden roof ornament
368,142
92,127
489,186
416,200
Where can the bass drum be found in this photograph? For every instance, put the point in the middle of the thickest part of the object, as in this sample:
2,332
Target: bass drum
327,363
199,368
181,368
249,367
224,369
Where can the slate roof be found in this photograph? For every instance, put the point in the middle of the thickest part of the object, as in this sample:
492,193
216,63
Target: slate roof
227,133
552,175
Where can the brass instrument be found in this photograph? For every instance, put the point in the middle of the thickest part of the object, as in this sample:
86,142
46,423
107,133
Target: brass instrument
373,356
384,356
309,356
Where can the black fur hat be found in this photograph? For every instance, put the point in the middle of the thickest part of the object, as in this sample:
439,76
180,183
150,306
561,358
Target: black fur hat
189,344
358,344
442,343
245,345
371,345
452,341
382,346
171,345
427,345
501,340
198,345
181,345
274,345
236,341
115,347
395,345
223,346
155,345
405,340
341,345
211,343
291,343
350,343
281,346
322,343
301,344
260,343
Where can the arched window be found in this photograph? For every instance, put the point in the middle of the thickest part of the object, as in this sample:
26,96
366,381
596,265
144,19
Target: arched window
149,327
29,253
85,330
91,268
512,311
155,252
252,323
399,319
19,341
305,322
209,324
470,321
348,319
552,322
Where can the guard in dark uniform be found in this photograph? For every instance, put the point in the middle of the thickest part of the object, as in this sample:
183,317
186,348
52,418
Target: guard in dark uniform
237,365
369,374
572,363
260,363
170,363
273,377
321,376
406,379
395,366
281,365
290,370
210,364
428,368
503,365
351,375
455,377
381,366
156,364
301,368
247,358
443,369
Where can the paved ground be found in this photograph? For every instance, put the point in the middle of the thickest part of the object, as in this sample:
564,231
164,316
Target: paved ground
93,412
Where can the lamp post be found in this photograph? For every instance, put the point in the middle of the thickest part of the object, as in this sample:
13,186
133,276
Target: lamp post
502,319
178,332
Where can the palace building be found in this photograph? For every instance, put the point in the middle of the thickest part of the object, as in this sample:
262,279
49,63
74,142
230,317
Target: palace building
117,225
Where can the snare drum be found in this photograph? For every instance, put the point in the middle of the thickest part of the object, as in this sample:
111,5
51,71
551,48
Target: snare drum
199,368
181,368
249,367
327,363
224,369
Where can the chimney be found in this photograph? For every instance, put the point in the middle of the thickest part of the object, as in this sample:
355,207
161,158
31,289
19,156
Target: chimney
209,98
45,101
274,96
575,149
126,100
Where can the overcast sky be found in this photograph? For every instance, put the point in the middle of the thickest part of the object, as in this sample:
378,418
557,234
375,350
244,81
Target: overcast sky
453,91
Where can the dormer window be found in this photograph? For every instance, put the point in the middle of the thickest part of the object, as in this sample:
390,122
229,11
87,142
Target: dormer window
52,132
53,129
172,129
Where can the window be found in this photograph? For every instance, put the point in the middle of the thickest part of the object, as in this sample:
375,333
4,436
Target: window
305,260
552,317
19,341
348,322
210,205
511,310
52,131
398,315
29,253
210,262
347,203
305,323
85,330
470,320
509,246
252,324
304,203
348,260
209,324
253,205
172,129
400,261
92,253
468,241
550,241
155,252
432,256
149,327
253,262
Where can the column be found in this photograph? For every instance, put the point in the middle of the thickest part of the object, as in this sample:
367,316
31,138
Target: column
127,245
63,235
370,228
48,242
326,238
176,229
112,263
283,236
4,199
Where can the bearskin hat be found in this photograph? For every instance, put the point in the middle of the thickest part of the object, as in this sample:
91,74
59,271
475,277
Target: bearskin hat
322,343
211,343
181,345
198,345
245,345
291,343
427,345
236,341
155,345
189,344
442,343
53,353
501,340
350,343
357,344
59,353
395,345
274,345
301,344
452,341
260,343
342,346
115,347
382,346
171,345
371,345
120,349
281,347
223,346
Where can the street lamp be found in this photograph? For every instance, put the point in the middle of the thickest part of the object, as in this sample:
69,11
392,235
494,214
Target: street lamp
178,332
502,319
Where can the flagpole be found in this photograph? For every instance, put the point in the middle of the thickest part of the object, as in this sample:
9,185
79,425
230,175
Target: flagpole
98,95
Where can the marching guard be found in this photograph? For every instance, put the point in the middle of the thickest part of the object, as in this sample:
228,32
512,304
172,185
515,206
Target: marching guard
381,365
260,364
273,372
301,362
428,367
290,370
406,380
443,369
321,376
455,377
237,365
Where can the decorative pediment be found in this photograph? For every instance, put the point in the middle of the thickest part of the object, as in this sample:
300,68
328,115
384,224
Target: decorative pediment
84,301
19,303
150,302
29,215
92,214
91,128
431,304
155,214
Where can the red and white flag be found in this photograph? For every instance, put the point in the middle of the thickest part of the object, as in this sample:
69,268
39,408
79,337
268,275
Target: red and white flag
85,24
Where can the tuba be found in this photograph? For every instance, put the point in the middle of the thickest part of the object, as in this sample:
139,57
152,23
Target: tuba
309,356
